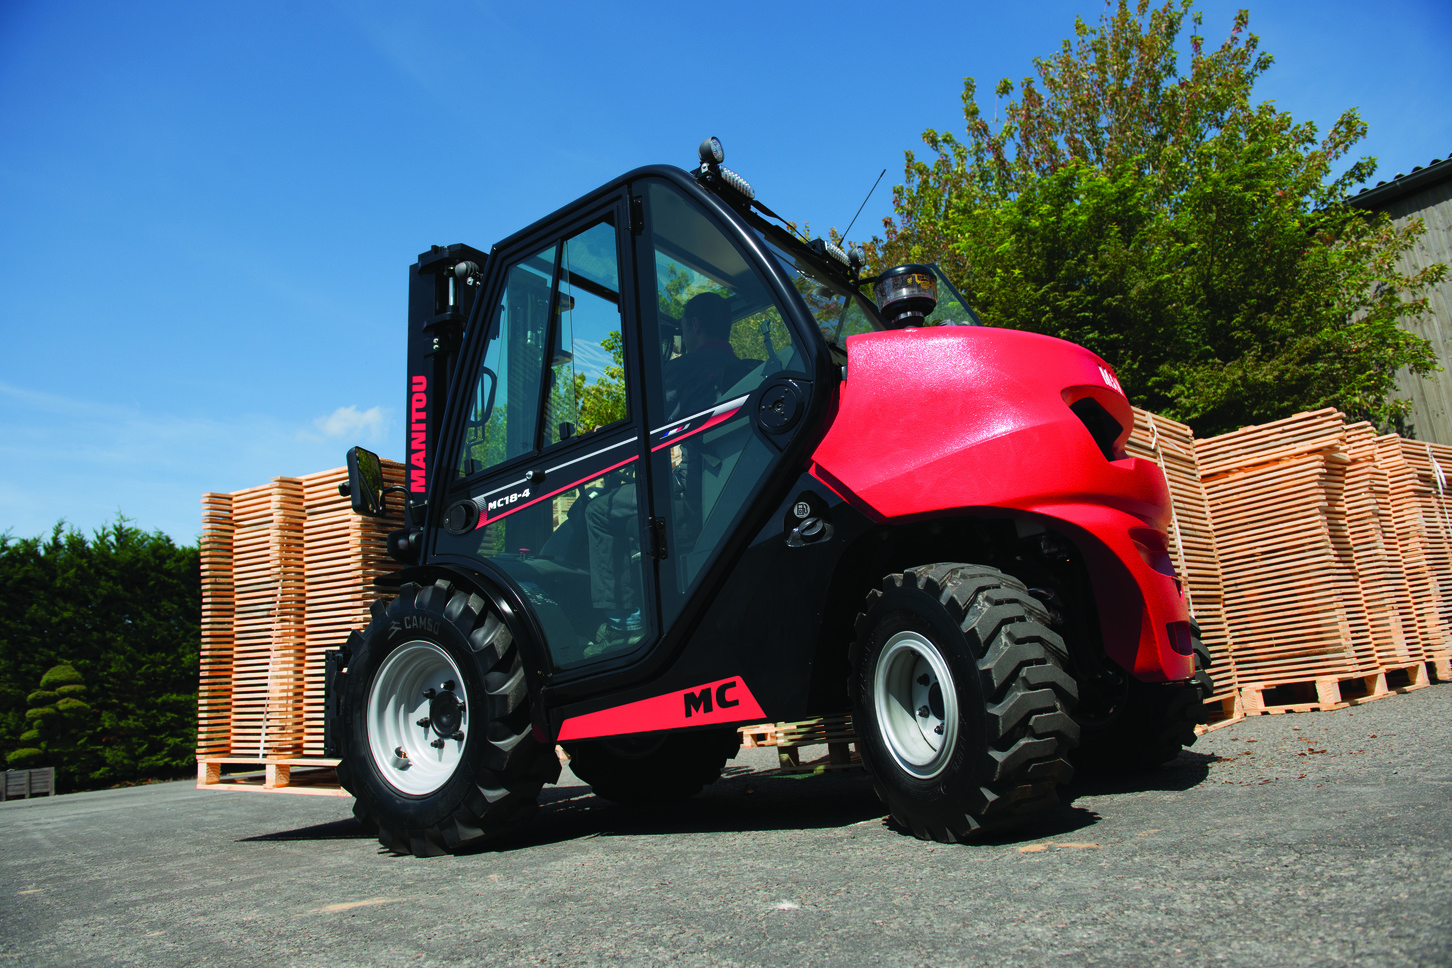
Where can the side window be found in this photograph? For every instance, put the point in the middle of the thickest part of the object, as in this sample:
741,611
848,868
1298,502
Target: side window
504,404
718,335
719,332
587,372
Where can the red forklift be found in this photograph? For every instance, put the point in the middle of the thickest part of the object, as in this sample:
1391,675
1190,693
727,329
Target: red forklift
673,470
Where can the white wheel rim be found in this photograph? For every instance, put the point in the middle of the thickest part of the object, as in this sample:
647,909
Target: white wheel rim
416,759
916,704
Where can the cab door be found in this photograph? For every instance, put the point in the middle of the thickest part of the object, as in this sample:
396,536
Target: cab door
546,483
727,380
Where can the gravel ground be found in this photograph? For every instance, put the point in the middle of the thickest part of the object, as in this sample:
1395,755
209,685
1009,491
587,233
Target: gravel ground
1315,839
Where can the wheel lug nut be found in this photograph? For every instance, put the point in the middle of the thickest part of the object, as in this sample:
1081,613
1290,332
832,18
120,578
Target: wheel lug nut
923,711
938,729
923,679
449,686
429,694
438,744
424,722
458,735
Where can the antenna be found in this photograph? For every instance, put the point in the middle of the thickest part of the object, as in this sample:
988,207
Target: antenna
863,205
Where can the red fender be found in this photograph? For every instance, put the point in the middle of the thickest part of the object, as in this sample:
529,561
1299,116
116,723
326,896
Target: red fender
977,420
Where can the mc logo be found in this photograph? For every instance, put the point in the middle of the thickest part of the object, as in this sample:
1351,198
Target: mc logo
701,701
726,700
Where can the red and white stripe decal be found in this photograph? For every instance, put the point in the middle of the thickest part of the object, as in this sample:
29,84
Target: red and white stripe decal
519,495
709,704
672,434
484,517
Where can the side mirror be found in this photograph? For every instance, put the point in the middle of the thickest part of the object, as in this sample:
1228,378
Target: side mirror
365,483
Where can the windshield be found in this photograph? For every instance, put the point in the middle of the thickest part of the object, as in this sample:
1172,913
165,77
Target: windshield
841,313
838,310
952,308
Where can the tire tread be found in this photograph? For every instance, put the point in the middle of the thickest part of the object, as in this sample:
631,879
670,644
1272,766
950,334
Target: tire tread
1028,697
513,764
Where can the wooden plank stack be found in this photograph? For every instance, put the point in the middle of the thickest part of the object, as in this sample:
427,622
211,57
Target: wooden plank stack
1171,445
287,570
1420,521
1390,610
1277,495
835,732
343,553
1336,560
214,687
267,627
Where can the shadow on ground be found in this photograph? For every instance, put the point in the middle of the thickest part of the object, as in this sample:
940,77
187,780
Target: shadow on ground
1187,770
348,829
744,800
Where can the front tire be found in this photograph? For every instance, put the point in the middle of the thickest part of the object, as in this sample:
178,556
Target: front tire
438,747
961,702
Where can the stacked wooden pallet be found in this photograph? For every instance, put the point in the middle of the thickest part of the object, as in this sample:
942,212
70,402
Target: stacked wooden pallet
1277,495
835,732
343,553
214,686
268,650
1416,475
1381,570
1331,547
287,570
1171,445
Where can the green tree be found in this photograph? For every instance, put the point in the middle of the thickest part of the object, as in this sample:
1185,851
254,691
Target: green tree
1198,242
60,722
123,609
603,402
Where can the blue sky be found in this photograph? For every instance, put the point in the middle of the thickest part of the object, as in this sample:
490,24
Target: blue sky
207,211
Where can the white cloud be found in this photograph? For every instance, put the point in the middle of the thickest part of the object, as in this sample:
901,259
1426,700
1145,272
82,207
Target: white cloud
349,421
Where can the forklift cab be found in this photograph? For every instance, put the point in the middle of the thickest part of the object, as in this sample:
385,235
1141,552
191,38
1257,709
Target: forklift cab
603,444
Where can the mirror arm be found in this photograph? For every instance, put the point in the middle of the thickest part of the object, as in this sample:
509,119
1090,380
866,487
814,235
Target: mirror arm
407,505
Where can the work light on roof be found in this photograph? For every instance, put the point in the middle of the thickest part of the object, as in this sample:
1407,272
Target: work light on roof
717,177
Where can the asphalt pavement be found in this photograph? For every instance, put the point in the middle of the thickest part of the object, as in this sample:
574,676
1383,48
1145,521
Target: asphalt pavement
1312,839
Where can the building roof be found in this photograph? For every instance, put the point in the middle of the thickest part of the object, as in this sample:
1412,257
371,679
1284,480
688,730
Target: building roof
1400,186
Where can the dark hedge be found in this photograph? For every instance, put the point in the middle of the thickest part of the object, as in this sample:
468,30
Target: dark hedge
123,608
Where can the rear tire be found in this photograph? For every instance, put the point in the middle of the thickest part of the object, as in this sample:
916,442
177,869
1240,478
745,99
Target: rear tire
433,773
653,767
1157,721
961,702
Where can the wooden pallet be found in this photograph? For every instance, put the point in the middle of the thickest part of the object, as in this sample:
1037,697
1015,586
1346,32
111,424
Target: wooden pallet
287,573
1171,446
1408,678
1315,695
788,738
1289,550
1440,665
312,776
1221,711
